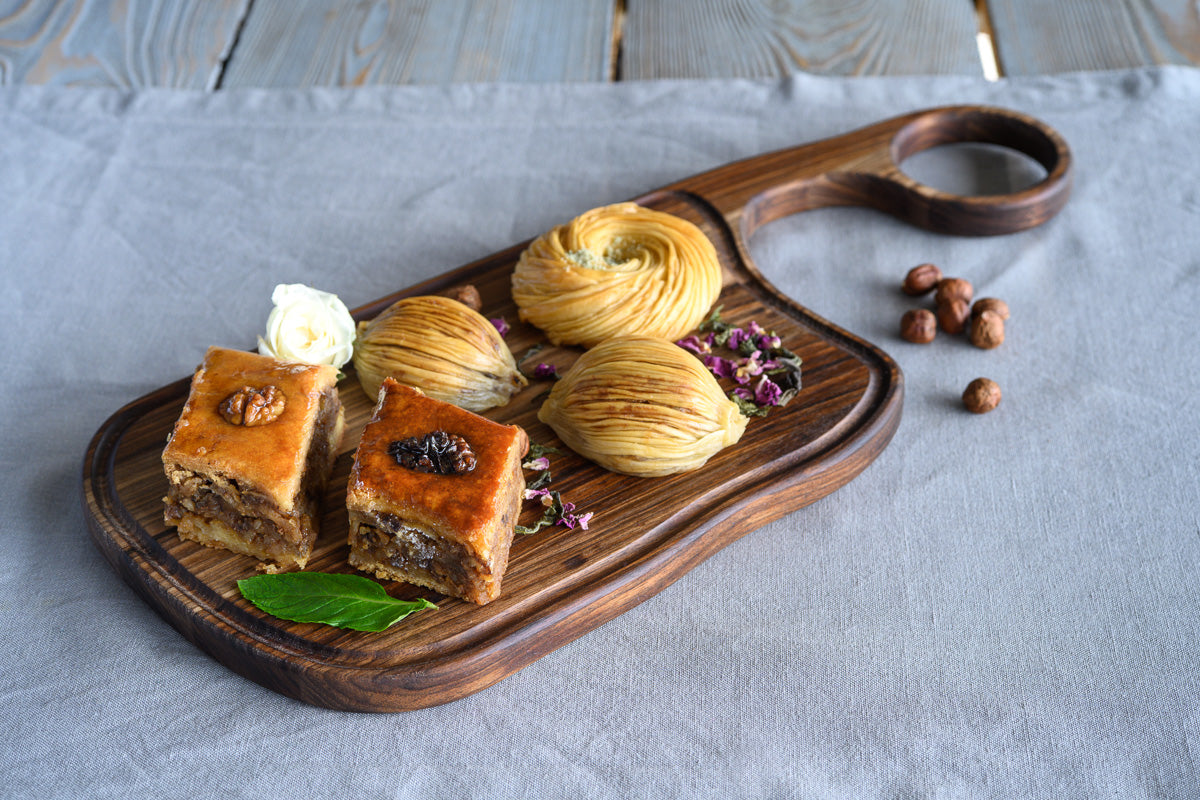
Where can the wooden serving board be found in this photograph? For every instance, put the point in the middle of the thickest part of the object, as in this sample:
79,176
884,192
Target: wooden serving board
646,533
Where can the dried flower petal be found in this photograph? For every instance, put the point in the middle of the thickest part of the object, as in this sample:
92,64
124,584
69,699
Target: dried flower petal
540,463
696,345
764,354
555,511
721,367
736,337
767,392
749,368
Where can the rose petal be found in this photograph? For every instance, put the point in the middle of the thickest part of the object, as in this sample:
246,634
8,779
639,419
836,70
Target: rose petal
769,342
721,367
695,344
767,392
736,337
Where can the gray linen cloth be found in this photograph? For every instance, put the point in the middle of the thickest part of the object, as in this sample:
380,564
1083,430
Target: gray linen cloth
1000,606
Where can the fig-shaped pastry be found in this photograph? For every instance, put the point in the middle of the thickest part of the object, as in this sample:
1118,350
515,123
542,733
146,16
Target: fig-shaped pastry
642,406
440,346
619,270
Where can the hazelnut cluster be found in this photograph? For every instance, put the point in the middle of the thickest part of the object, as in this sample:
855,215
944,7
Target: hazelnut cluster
954,313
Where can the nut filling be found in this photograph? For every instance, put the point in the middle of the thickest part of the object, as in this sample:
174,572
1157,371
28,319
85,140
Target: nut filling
439,452
386,539
216,509
264,529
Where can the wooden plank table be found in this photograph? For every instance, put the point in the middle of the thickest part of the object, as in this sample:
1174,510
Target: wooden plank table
215,44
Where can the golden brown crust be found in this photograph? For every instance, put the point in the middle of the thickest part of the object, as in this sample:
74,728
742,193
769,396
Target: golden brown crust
253,489
271,458
472,514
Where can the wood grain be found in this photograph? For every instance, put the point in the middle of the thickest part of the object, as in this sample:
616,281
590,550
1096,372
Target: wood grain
130,45
345,43
1034,37
770,38
647,533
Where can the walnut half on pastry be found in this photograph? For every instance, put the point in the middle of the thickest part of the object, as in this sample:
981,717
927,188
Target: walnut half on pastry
618,270
434,495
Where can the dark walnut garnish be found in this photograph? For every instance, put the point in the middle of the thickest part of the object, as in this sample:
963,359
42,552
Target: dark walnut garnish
438,452
250,406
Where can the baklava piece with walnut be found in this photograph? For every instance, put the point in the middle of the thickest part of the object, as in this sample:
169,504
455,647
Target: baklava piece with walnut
250,456
434,495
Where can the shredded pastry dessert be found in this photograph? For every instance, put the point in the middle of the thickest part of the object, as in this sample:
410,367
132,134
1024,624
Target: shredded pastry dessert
434,495
450,351
642,406
250,455
614,271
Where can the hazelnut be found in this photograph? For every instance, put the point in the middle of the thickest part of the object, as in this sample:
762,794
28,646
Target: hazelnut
918,326
981,395
990,304
251,406
466,294
987,330
952,288
921,279
952,316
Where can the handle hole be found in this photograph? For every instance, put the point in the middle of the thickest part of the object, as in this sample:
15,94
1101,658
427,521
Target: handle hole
974,169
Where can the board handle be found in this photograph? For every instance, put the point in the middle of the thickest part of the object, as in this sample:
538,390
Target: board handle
862,168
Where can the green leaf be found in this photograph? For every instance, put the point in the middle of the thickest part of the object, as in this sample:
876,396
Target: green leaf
714,321
345,601
748,407
538,450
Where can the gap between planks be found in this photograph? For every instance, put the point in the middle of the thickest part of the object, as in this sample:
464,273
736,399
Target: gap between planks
985,39
233,44
618,34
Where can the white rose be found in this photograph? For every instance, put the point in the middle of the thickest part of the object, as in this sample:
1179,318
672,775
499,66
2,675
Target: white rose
309,326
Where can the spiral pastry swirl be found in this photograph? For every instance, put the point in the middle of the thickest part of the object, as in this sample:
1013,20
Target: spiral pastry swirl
618,270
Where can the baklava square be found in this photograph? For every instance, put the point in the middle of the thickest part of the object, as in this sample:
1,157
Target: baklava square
251,453
434,495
